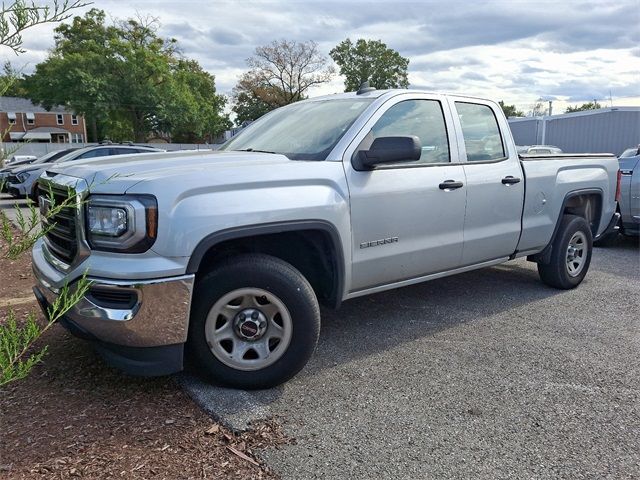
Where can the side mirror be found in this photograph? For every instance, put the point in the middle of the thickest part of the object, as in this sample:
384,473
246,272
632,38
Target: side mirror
388,150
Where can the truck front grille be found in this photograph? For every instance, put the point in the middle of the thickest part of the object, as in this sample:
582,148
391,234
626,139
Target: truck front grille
61,233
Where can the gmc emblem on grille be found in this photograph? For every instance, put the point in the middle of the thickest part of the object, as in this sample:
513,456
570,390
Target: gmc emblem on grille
45,205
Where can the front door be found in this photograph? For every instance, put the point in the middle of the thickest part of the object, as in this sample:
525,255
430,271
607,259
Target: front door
406,223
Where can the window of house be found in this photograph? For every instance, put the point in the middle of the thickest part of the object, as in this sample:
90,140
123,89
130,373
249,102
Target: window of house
60,119
481,133
422,118
77,138
74,120
12,118
31,118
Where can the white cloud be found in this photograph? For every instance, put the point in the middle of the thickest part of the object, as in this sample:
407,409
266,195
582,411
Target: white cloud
515,51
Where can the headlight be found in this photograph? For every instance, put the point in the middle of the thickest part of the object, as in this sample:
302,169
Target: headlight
121,223
22,177
107,221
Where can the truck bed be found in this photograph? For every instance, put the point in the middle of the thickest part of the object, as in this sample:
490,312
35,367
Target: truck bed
550,182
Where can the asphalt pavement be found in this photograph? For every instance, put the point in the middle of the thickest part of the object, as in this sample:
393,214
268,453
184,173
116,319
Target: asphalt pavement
484,375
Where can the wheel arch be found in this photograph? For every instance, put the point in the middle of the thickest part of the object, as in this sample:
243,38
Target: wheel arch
320,236
586,203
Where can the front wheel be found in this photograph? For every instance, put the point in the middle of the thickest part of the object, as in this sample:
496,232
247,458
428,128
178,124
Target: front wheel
570,254
255,322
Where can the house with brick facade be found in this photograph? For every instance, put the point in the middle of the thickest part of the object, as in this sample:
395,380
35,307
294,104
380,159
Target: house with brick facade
22,121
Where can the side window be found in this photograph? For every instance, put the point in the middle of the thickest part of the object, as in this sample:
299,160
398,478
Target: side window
123,151
482,137
422,118
98,152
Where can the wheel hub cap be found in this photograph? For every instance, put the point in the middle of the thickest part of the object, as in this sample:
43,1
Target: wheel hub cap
576,253
250,324
248,329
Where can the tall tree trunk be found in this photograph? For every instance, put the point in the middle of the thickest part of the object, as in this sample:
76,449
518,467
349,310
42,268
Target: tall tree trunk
139,130
94,129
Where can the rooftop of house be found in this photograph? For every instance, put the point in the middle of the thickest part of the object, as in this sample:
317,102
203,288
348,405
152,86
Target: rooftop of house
23,105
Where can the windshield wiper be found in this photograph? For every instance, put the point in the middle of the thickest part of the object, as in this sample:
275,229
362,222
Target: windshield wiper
253,150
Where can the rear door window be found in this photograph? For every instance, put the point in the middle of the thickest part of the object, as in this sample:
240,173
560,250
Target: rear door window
481,133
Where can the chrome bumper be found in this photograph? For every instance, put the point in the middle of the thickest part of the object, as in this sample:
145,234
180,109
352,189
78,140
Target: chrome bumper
159,316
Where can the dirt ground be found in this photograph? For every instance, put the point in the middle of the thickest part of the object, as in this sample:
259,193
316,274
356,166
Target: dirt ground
75,417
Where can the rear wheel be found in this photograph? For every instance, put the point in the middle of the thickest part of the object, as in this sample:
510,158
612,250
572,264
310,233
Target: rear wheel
255,322
570,254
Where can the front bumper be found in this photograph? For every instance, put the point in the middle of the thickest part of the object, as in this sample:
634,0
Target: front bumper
144,337
17,190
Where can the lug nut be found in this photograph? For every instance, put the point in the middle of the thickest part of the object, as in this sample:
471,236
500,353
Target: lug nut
254,315
242,316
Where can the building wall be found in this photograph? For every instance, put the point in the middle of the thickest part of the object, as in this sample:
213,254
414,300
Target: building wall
606,132
610,130
527,131
48,119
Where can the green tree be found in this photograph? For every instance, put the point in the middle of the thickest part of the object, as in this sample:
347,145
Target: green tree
372,61
77,72
20,15
585,106
127,81
248,107
12,82
510,110
252,97
192,108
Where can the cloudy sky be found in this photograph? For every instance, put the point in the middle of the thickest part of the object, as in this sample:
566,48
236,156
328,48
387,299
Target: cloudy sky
517,51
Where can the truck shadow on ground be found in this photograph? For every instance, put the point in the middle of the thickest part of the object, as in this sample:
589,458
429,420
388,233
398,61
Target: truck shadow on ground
377,323
386,320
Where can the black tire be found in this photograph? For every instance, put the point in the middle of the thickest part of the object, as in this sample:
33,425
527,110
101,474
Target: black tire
276,277
556,273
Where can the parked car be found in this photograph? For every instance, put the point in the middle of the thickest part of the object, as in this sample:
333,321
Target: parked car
15,159
226,255
541,150
629,204
22,181
630,152
47,158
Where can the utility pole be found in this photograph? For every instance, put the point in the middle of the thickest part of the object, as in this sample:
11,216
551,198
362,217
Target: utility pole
550,107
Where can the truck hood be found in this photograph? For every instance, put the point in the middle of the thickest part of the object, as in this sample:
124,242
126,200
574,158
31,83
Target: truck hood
119,173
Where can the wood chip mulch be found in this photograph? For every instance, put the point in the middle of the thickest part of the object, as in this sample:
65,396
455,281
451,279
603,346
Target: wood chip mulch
74,417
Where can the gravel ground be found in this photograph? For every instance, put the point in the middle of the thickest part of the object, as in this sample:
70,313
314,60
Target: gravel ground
488,374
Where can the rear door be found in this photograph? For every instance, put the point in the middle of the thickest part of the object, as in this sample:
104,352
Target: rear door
495,183
404,223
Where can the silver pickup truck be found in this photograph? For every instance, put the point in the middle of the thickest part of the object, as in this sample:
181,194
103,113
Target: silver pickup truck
224,256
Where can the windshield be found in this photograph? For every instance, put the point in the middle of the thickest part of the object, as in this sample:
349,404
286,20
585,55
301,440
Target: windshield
301,131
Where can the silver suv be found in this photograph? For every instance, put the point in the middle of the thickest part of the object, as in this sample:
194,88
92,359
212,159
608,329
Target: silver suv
22,181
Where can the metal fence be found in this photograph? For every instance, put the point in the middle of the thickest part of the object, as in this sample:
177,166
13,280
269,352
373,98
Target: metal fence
39,149
607,130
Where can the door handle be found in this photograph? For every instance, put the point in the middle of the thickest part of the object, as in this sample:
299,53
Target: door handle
450,185
509,180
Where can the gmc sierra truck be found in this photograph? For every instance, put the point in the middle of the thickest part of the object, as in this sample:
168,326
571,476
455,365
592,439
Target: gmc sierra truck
225,256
